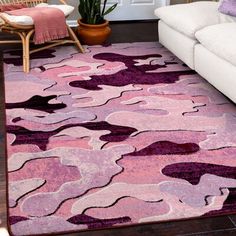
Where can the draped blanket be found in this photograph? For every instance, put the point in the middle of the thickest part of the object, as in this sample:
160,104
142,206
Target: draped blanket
47,28
10,7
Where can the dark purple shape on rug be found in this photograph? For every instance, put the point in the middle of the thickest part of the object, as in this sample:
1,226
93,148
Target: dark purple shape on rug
25,136
94,223
193,171
132,75
15,219
17,61
118,133
166,148
40,138
38,103
228,206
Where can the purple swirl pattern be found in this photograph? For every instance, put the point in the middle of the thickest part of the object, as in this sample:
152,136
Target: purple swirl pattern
119,135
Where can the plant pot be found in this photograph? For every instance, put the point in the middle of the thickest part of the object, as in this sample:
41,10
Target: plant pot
93,34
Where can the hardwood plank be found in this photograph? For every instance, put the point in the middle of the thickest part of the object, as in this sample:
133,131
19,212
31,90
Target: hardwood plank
187,227
134,32
228,232
233,219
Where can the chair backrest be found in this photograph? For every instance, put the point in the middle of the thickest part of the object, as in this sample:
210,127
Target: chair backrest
29,3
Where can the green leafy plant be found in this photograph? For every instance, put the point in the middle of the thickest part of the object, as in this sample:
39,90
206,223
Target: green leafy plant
93,11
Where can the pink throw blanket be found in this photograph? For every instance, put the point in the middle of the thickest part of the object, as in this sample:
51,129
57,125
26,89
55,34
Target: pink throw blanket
49,22
10,6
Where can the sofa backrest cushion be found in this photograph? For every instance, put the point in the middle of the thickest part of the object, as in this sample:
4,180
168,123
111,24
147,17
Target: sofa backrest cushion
190,17
228,7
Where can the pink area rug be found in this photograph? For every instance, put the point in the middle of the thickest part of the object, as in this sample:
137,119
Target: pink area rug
120,135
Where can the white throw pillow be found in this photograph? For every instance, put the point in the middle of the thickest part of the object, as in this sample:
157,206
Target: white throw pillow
27,20
67,9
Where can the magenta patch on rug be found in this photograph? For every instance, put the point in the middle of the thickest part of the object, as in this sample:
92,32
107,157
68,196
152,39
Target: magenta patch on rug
119,135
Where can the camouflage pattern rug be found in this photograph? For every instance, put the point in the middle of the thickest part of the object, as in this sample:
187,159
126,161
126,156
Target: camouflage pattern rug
122,134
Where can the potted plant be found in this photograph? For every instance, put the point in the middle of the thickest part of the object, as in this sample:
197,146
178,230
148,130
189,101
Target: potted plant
93,28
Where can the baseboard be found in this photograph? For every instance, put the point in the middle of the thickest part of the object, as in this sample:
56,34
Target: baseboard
133,21
74,23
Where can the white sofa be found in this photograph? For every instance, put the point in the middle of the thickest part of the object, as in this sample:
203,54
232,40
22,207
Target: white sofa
204,39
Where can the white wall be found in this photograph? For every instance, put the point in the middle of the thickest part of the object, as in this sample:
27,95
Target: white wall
75,3
113,16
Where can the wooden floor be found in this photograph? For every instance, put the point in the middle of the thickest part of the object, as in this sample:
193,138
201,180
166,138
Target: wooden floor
221,225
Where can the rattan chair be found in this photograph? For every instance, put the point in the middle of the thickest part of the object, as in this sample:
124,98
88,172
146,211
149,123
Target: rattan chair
26,31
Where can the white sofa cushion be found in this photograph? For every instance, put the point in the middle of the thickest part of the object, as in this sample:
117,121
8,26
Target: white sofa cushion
179,44
216,71
191,17
226,18
220,39
27,20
